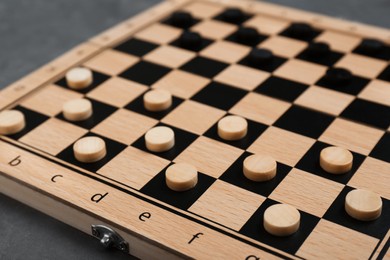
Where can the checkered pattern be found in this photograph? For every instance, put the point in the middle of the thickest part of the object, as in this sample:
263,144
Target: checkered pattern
292,110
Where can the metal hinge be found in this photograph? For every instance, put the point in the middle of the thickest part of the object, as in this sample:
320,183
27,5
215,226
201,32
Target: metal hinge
109,238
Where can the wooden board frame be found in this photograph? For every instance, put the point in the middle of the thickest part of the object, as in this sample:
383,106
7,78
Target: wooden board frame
23,174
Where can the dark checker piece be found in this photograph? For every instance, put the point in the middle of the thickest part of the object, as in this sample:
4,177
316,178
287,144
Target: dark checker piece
113,148
233,15
258,57
342,80
373,48
320,52
338,75
234,175
281,88
247,36
192,41
158,189
98,78
33,119
368,112
304,121
377,228
145,72
136,47
382,149
255,229
301,31
262,59
310,163
181,19
204,67
211,95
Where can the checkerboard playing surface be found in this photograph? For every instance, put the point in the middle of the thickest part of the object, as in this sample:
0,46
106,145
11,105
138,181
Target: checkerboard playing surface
301,87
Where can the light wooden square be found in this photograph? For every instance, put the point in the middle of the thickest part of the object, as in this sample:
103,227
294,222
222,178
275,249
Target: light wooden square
53,136
372,175
301,71
169,56
203,10
377,91
111,62
352,136
283,46
242,76
159,33
307,192
227,204
325,100
286,147
210,156
224,51
267,25
182,84
117,91
50,99
124,126
332,241
194,117
134,167
213,29
339,41
362,65
260,108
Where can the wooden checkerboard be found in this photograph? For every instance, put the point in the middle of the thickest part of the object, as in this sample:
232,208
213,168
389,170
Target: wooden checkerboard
293,112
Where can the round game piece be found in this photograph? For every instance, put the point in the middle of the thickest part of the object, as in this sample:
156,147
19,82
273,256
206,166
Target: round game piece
157,100
258,57
190,40
336,160
79,78
300,30
371,46
232,128
233,15
11,122
77,109
363,205
281,220
181,176
338,75
259,167
182,19
318,49
160,139
247,35
89,149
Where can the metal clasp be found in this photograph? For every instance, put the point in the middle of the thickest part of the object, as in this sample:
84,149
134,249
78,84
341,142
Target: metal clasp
109,238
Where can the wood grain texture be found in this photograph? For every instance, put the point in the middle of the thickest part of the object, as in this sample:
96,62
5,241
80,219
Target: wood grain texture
352,136
77,190
307,192
284,146
330,240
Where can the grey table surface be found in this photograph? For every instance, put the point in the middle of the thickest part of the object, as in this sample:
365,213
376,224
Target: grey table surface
34,32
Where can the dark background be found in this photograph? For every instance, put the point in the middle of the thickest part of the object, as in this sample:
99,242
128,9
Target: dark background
33,33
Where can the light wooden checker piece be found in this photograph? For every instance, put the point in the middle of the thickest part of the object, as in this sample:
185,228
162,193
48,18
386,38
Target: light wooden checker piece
11,122
212,157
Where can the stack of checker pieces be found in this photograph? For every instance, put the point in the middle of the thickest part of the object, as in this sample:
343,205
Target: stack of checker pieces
293,112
